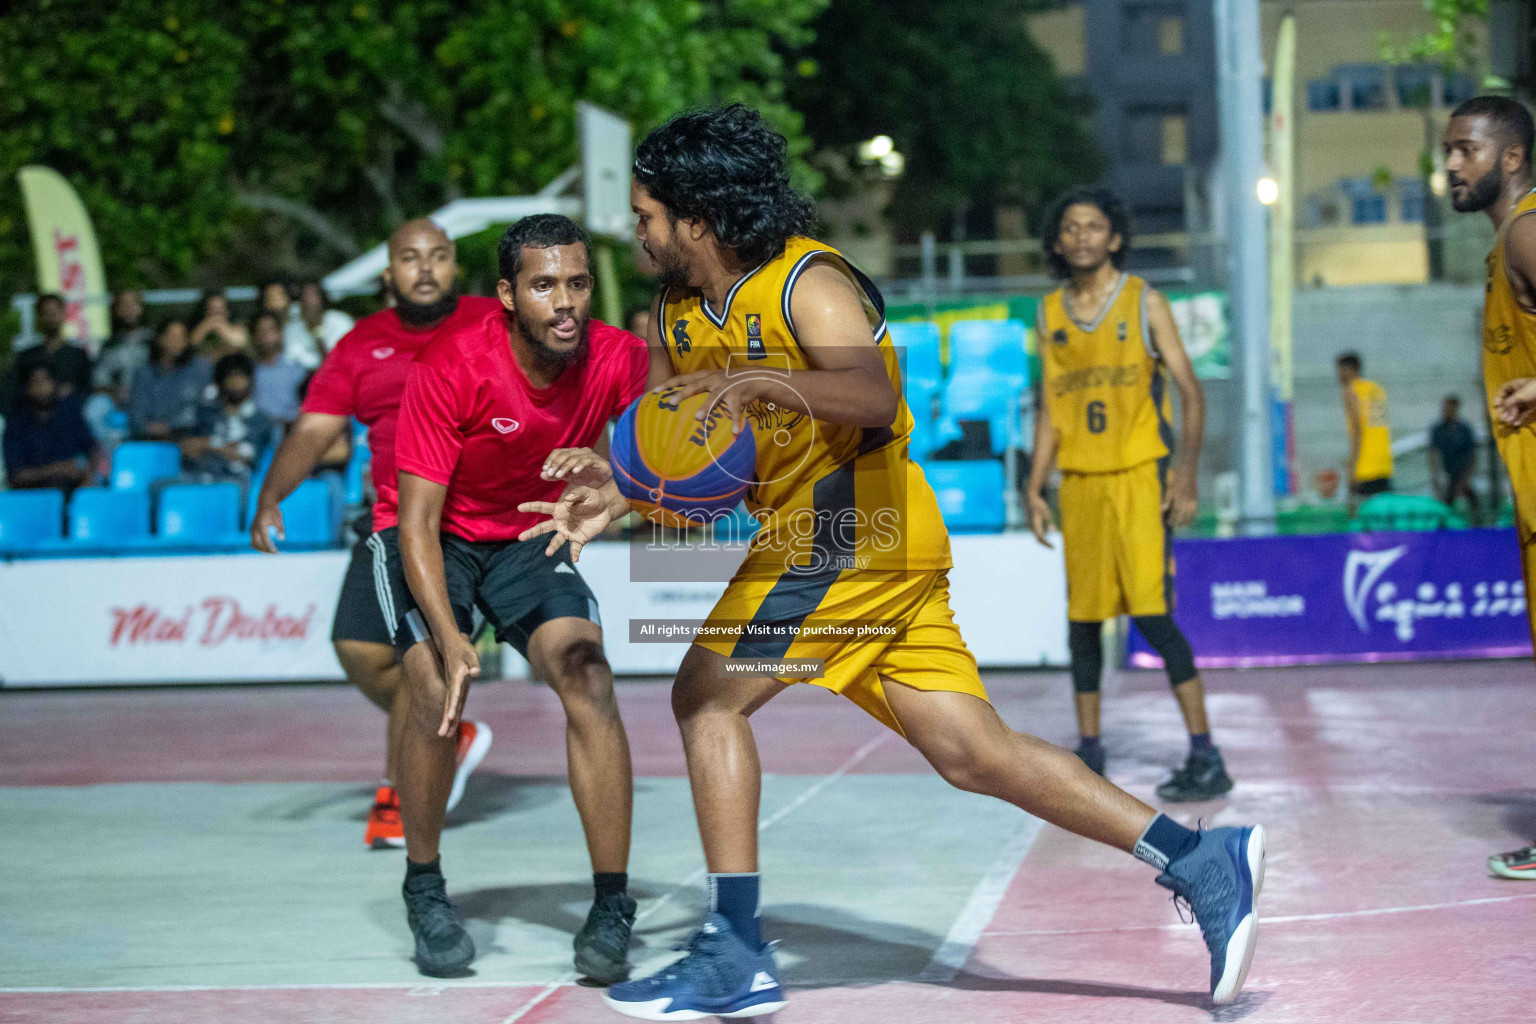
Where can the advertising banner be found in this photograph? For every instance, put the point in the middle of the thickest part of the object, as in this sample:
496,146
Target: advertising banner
248,618
1344,597
64,246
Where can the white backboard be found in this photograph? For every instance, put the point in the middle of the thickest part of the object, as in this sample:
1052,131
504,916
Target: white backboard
606,155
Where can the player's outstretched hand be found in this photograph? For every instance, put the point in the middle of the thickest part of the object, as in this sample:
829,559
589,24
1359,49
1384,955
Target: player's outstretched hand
581,514
460,664
266,523
581,466
1516,401
1040,521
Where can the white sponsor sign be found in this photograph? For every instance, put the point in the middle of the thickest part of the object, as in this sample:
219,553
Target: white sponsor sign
250,618
196,618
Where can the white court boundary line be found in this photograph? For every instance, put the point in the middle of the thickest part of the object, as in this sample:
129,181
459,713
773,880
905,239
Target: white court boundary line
979,910
1290,919
806,796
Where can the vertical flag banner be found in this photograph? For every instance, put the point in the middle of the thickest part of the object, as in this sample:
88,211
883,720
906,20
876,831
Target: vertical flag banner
1282,228
64,244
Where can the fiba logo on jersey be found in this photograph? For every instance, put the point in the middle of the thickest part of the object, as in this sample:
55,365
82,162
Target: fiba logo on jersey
1120,331
755,348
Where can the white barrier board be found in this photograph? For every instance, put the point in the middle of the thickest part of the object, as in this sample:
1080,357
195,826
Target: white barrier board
248,618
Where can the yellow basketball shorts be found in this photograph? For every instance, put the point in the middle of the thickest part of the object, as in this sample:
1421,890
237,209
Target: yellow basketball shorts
863,624
1118,547
1519,453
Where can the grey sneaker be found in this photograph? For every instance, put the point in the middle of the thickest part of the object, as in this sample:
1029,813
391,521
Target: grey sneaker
1203,777
602,945
1220,880
443,947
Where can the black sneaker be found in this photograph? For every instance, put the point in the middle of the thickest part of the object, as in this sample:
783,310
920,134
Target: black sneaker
602,945
1092,758
1203,777
443,947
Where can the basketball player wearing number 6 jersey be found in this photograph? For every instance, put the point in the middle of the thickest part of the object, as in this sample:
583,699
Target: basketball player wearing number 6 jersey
1488,145
1107,346
743,286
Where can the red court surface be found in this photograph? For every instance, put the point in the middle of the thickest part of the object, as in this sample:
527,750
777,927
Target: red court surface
1383,789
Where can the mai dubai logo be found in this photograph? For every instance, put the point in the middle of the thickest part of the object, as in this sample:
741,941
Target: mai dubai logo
1361,571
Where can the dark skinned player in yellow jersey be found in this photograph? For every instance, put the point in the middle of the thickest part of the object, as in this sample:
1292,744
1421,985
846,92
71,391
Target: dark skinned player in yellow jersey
1108,345
740,278
1488,168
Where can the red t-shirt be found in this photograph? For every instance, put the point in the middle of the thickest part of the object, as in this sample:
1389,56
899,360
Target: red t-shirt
470,420
364,377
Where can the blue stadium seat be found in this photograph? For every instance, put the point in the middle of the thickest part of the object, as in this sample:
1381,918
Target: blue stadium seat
918,344
137,464
106,517
200,515
312,513
30,520
989,371
989,346
970,494
357,466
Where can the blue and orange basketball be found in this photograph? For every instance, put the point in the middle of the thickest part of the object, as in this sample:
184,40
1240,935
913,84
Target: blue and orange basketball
677,470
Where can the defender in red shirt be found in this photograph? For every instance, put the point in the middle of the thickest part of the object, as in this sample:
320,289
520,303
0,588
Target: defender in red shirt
363,378
494,415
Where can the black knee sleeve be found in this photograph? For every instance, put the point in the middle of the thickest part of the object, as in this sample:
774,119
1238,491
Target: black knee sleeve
1087,655
1167,639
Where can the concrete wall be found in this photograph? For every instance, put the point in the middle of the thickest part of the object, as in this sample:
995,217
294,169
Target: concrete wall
1420,342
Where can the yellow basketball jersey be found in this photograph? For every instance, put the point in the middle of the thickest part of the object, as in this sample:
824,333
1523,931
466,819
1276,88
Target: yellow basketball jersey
1103,382
829,495
1509,336
1375,459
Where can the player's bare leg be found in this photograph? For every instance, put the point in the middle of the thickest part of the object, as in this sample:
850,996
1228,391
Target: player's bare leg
1087,706
377,673
712,708
567,653
426,759
1191,697
974,750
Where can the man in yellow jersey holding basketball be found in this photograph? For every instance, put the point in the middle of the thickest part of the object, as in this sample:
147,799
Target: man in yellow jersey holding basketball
1369,469
1488,144
783,330
1108,342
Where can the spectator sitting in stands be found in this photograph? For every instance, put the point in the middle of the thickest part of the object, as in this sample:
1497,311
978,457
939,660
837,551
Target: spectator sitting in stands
229,433
322,326
47,443
166,390
1452,454
126,349
214,334
69,364
278,378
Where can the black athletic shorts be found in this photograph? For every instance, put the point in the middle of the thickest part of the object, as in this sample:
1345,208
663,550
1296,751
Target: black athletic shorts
514,584
358,615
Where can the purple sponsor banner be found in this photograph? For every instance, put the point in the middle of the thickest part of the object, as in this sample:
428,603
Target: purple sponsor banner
1253,601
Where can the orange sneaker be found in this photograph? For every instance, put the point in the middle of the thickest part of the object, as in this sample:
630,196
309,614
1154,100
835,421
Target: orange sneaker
474,742
384,830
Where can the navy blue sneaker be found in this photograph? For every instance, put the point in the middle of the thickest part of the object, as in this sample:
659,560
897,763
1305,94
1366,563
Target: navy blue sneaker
1220,880
718,976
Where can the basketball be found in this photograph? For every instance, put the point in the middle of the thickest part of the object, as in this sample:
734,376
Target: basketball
675,469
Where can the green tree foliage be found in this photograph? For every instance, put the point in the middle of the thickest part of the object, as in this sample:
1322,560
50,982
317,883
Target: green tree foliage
972,103
247,135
